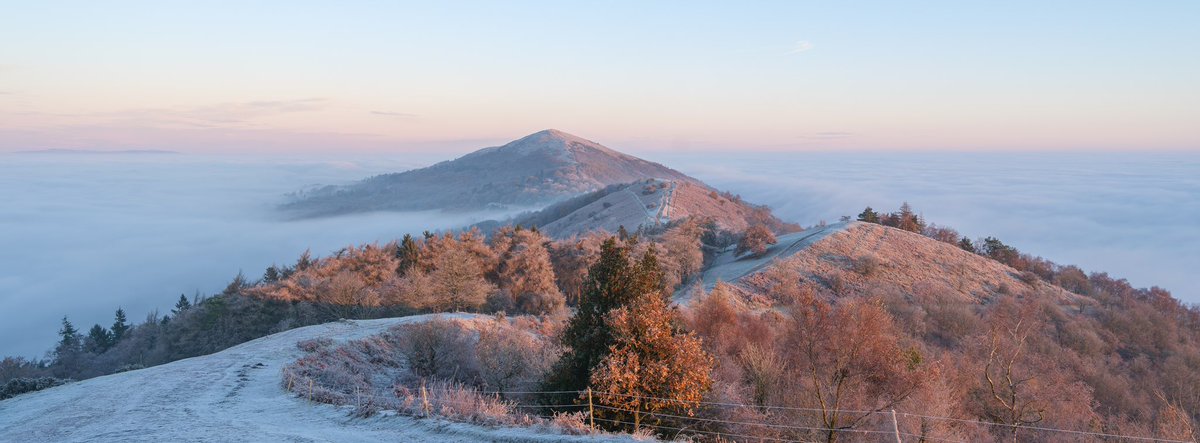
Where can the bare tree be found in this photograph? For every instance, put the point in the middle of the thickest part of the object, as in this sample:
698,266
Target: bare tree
457,281
849,359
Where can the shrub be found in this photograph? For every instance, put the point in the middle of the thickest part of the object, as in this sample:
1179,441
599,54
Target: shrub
837,283
18,386
572,423
512,359
866,265
315,344
435,348
459,402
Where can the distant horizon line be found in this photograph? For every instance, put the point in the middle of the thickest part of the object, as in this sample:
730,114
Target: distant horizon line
407,148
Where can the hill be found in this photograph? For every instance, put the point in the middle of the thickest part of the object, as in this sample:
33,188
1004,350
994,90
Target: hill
234,395
856,258
649,204
532,171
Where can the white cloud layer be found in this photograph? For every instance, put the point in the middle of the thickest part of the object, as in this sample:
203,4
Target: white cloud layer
83,234
1132,215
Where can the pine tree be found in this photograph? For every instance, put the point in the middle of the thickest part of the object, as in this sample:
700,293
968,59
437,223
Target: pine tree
967,245
613,282
182,305
271,275
608,286
869,215
67,352
98,340
622,339
119,327
68,335
409,255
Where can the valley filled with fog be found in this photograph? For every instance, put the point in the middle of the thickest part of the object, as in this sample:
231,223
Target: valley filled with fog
85,233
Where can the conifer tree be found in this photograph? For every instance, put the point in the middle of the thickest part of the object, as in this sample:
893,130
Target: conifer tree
120,326
67,352
409,255
68,335
869,215
608,286
98,339
271,275
623,340
966,245
182,305
651,365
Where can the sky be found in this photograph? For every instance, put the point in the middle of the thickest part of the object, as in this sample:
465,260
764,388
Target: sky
382,76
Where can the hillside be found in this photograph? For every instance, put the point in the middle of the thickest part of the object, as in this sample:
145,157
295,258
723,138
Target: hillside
535,170
883,318
234,395
865,258
645,204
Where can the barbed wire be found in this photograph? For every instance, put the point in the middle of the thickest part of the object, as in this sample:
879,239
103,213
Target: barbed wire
1040,428
495,396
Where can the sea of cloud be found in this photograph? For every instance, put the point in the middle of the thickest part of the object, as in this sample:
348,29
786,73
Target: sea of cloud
1133,215
83,234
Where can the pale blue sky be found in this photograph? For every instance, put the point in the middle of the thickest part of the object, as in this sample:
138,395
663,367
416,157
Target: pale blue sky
305,76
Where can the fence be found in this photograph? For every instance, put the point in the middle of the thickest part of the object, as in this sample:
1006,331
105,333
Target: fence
682,425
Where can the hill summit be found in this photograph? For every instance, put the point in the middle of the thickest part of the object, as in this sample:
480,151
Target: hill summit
534,170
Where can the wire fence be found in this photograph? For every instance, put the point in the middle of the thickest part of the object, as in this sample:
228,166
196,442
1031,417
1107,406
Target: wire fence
679,425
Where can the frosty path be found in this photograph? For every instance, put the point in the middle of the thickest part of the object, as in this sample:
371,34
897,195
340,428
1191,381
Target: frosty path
231,396
729,267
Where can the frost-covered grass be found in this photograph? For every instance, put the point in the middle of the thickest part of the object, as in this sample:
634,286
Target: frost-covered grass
455,369
235,396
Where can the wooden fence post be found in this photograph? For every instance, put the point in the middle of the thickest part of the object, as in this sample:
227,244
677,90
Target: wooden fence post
424,399
896,427
591,414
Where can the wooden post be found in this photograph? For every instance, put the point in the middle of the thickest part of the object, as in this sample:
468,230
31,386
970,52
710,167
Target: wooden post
591,415
424,399
310,382
896,427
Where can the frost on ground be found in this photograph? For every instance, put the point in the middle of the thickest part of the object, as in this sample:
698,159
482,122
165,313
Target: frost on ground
233,395
730,267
